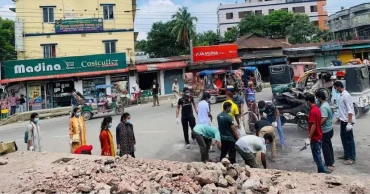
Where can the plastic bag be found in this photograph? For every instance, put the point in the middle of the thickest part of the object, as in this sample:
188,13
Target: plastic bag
241,130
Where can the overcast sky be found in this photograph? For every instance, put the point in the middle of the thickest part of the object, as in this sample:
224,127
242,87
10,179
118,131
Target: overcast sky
161,10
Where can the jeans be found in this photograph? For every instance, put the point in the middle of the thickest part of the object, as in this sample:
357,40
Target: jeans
228,147
327,148
21,107
271,119
204,145
186,121
155,100
316,153
249,158
348,142
12,110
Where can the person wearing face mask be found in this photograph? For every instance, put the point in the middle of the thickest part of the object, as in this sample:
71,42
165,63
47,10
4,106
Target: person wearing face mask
106,138
34,135
347,119
327,130
186,104
155,91
273,116
77,130
125,137
250,146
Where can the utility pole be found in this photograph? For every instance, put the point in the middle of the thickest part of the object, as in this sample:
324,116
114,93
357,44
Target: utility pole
191,51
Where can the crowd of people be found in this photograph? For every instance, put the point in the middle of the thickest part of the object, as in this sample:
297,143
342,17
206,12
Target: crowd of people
228,136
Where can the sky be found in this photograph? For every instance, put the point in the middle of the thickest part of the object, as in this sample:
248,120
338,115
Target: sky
161,10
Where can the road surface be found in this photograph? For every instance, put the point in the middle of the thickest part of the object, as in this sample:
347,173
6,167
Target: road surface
159,137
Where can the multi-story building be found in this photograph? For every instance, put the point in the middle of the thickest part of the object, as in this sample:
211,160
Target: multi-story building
229,15
352,23
70,44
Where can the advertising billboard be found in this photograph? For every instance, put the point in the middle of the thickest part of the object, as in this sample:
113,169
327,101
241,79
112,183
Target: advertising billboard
215,52
79,25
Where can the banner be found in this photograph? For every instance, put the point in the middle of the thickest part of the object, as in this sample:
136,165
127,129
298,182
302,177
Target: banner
217,52
34,96
79,25
63,65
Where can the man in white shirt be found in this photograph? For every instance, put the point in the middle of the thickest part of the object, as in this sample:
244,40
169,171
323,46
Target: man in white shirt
204,111
249,145
347,119
136,92
176,92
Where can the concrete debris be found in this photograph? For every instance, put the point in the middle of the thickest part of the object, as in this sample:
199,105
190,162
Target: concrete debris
130,175
3,162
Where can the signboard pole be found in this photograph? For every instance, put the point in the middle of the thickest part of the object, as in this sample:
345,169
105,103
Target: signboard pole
191,51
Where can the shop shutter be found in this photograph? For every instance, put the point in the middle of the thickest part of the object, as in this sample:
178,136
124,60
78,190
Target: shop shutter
169,77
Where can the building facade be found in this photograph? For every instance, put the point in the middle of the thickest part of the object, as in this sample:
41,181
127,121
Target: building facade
66,45
352,23
230,15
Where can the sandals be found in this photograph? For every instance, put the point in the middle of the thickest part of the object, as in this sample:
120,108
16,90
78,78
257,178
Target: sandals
348,162
342,158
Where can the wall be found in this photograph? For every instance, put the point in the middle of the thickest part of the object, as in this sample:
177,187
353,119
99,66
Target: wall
30,13
322,15
224,23
170,76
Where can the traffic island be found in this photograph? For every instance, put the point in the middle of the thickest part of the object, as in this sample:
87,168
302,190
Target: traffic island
31,172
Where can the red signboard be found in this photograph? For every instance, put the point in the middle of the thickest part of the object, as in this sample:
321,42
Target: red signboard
217,52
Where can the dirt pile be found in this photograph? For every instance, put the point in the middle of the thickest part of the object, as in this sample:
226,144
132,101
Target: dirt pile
129,175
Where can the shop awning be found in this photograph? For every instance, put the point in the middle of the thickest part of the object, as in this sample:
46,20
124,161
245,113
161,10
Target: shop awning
214,64
358,47
82,74
160,66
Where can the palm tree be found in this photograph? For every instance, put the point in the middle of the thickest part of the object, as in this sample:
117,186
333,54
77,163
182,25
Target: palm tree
184,26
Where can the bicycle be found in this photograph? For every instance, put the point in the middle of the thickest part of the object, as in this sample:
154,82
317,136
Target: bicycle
252,116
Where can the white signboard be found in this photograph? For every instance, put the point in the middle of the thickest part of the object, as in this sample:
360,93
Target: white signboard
18,32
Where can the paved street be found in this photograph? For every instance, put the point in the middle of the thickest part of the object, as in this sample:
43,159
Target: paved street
159,137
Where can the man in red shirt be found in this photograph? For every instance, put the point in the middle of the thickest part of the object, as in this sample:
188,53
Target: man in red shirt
315,133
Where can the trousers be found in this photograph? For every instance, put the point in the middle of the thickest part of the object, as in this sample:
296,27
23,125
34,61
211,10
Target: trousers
155,100
204,146
186,121
348,142
228,147
316,153
327,148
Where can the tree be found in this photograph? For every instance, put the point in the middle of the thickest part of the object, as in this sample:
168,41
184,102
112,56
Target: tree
141,45
302,30
326,35
161,42
7,40
231,35
252,23
206,38
184,28
277,23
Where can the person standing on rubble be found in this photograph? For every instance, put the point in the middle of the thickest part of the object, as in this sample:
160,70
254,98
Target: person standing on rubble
204,133
77,130
125,137
106,138
34,134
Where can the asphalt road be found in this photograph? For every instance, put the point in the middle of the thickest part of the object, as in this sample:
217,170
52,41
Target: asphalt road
159,137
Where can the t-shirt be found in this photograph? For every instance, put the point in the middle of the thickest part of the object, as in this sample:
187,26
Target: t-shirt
208,131
155,87
315,117
251,144
225,121
328,113
234,108
186,106
270,109
203,110
13,100
261,124
22,101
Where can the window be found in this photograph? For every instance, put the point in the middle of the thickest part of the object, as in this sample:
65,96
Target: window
49,51
228,29
271,10
110,47
244,13
108,12
229,16
48,14
313,8
284,9
258,12
298,9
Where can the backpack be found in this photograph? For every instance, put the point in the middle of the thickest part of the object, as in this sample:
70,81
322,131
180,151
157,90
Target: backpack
26,135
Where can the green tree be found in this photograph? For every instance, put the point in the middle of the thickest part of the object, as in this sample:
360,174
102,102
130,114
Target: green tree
206,38
7,40
302,30
326,35
141,45
252,23
184,28
162,43
231,35
276,23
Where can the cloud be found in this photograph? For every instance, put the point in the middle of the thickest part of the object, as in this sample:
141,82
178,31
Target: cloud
6,13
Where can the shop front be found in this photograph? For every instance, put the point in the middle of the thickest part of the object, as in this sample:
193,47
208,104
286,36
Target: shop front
323,59
50,82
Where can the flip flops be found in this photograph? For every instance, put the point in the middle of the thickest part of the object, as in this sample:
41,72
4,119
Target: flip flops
348,162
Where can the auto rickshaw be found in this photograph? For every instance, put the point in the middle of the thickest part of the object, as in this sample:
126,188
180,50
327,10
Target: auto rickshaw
281,78
252,74
102,103
218,82
300,67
